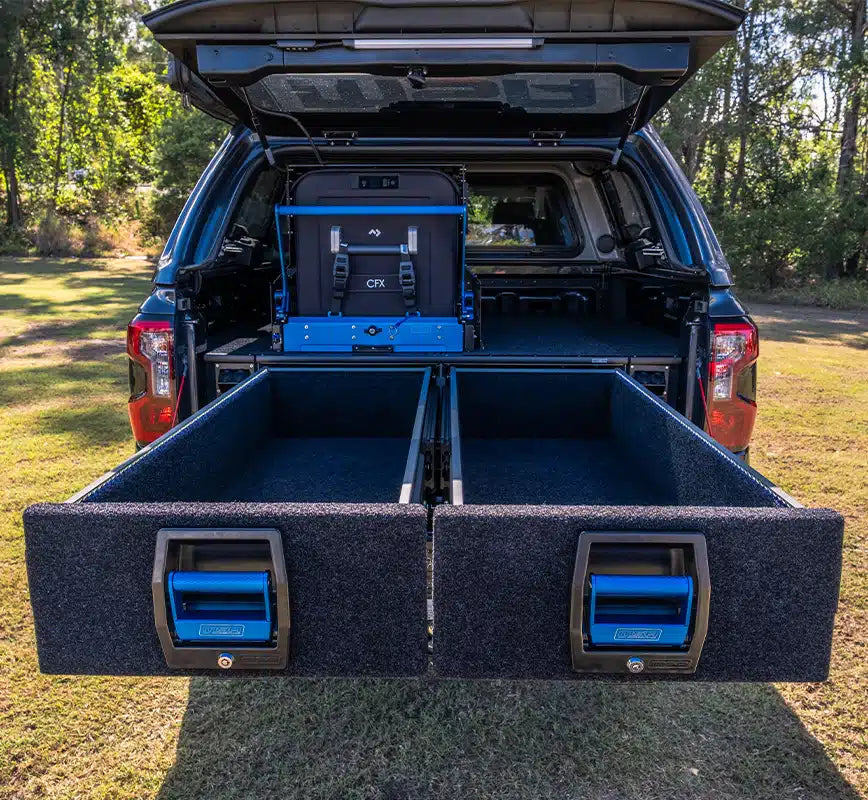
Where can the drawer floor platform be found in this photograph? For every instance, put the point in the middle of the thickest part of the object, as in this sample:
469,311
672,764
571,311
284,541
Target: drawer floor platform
320,470
554,472
523,336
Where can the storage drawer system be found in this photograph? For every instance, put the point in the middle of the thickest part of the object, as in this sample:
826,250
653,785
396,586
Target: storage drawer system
579,526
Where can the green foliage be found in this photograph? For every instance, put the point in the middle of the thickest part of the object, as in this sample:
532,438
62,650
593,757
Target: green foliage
773,133
781,227
763,133
14,241
80,109
186,141
838,293
109,144
115,145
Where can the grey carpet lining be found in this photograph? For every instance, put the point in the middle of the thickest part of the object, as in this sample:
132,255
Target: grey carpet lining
503,576
556,472
574,437
356,583
296,435
319,470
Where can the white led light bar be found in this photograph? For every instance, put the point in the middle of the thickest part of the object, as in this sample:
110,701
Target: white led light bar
443,44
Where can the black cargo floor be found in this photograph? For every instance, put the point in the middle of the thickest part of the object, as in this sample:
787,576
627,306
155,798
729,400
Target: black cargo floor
555,472
568,336
320,470
506,335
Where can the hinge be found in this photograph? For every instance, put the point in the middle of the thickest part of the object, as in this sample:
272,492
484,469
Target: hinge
547,137
340,137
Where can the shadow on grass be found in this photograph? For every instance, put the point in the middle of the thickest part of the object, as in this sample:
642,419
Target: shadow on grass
406,739
97,426
800,325
17,269
72,338
123,292
73,381
91,294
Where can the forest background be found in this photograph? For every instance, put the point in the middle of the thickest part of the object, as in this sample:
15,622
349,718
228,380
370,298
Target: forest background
97,155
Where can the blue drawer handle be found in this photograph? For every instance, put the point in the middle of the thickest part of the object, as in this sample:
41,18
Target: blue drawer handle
637,611
220,606
227,582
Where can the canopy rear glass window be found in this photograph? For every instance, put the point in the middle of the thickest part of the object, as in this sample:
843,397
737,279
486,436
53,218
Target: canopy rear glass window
524,211
534,93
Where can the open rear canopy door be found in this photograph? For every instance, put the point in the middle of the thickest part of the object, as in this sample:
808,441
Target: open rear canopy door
381,67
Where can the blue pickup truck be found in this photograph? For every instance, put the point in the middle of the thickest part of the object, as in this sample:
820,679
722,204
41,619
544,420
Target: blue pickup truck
442,372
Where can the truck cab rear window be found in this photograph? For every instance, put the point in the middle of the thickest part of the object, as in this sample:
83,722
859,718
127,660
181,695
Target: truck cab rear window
519,211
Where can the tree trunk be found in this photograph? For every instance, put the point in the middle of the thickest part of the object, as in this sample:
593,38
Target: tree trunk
720,156
850,127
700,156
10,176
688,157
743,110
58,154
9,112
721,149
845,184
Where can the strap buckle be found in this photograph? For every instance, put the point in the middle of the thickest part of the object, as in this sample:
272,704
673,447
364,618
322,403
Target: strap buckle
340,277
407,278
341,271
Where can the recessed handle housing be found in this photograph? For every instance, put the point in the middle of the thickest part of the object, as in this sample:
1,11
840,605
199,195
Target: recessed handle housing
221,598
640,602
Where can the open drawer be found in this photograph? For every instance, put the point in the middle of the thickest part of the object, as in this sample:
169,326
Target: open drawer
579,526
593,530
583,437
290,435
296,493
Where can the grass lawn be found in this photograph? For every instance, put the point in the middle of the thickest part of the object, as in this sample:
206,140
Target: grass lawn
63,422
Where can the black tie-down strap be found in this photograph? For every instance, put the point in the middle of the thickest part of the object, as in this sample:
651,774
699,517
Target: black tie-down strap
340,277
341,273
407,279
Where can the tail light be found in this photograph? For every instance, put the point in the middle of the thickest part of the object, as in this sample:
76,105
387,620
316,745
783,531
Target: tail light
152,378
732,384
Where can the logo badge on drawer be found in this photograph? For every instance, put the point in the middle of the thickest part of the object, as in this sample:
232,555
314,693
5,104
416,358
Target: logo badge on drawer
638,634
212,629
